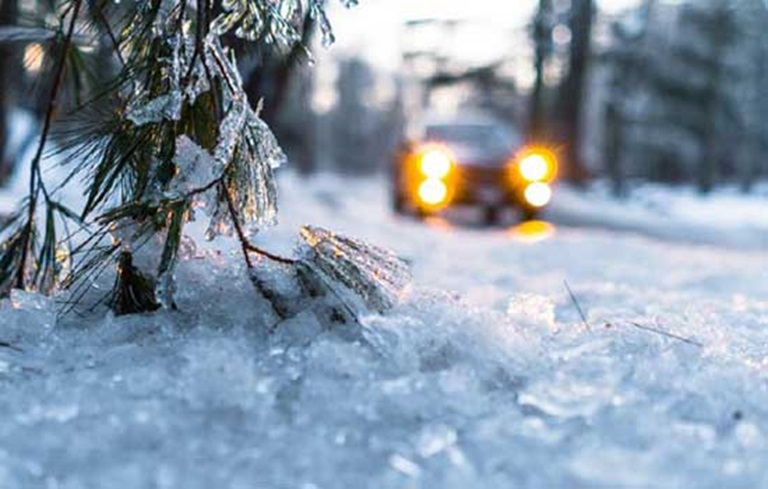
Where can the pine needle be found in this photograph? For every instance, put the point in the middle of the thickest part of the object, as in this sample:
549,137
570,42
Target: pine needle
5,344
667,334
577,305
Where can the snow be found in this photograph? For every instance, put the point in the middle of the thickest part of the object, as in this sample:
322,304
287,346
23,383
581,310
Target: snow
726,217
21,140
483,376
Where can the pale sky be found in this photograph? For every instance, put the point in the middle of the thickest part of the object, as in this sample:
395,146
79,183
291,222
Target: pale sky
374,28
374,31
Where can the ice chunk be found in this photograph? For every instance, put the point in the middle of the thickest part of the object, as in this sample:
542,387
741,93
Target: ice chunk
196,167
318,13
532,310
144,110
27,318
436,439
198,83
166,106
354,270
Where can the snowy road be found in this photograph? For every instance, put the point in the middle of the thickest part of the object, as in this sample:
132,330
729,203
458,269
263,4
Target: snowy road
496,383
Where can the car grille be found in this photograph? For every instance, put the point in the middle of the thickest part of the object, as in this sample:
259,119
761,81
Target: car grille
481,176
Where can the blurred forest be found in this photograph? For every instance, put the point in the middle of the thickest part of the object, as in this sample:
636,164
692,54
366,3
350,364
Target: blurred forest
663,92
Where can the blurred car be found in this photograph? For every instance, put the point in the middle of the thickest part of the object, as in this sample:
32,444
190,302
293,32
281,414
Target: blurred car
476,162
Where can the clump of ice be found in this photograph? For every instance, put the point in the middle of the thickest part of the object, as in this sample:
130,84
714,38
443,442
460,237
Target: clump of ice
532,310
30,318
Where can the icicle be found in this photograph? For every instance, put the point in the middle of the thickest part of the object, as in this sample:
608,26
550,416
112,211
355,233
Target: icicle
241,17
220,224
318,13
167,106
230,134
247,147
165,289
268,149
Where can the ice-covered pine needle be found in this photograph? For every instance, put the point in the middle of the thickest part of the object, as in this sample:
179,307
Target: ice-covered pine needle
360,274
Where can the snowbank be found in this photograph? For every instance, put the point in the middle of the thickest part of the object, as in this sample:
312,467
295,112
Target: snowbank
725,217
498,384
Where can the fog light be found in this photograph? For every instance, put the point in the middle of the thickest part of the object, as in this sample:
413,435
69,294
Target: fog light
433,192
538,194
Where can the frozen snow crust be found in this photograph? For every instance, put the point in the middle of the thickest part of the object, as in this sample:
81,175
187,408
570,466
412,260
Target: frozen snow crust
498,384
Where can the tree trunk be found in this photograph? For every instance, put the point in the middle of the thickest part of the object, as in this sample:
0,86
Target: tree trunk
614,127
573,91
756,131
709,168
537,121
8,60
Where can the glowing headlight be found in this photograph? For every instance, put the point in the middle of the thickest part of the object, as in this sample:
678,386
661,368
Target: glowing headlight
534,167
435,163
538,194
433,192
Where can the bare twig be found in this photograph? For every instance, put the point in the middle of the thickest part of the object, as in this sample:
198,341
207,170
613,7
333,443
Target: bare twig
271,256
245,243
576,304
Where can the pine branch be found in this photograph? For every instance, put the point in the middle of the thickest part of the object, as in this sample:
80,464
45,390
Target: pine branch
102,18
36,182
184,131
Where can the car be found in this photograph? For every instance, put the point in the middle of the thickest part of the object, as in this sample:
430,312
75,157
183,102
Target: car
478,162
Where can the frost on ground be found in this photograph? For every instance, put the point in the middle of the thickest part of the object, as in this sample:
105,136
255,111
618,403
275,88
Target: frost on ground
484,376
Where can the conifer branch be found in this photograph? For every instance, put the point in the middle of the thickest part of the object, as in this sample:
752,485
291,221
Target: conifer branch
36,182
110,33
183,131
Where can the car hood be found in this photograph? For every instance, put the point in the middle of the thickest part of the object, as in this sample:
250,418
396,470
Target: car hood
468,155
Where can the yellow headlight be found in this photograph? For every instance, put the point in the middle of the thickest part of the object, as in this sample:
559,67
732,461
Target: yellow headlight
534,167
536,164
538,194
435,163
433,192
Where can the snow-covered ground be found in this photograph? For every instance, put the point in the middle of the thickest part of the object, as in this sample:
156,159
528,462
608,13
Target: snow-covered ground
726,217
485,376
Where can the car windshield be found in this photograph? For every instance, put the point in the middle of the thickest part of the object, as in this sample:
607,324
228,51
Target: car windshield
488,137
